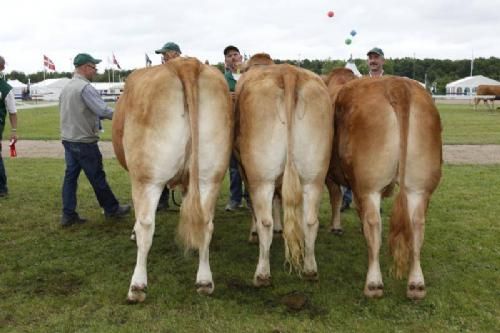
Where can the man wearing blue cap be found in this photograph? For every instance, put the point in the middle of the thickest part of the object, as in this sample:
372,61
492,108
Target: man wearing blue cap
81,109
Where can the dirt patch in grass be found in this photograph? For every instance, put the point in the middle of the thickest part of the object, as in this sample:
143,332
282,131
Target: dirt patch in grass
452,154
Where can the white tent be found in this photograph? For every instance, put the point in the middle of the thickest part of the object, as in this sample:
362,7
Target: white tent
110,91
18,87
468,85
352,66
49,89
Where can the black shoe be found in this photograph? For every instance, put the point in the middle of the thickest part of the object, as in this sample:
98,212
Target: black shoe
121,211
67,221
345,206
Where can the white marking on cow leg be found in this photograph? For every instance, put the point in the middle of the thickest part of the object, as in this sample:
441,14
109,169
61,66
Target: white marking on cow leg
262,198
310,224
372,229
145,199
277,227
204,281
417,204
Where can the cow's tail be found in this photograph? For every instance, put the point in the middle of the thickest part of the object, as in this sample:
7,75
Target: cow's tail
191,230
401,234
292,188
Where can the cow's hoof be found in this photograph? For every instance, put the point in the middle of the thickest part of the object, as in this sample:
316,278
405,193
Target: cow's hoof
416,291
337,232
254,238
374,290
311,276
262,281
204,288
136,294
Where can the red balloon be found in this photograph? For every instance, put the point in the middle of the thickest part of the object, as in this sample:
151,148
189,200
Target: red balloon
330,13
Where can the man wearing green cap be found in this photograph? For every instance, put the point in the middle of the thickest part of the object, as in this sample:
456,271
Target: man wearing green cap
169,51
7,106
81,109
376,62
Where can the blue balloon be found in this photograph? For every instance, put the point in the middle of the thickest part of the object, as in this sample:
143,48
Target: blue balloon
353,33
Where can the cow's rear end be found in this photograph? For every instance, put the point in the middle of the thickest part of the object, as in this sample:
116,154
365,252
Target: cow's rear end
283,136
173,127
387,132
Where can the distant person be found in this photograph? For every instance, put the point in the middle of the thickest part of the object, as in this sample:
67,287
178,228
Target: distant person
81,109
375,62
7,105
169,51
232,62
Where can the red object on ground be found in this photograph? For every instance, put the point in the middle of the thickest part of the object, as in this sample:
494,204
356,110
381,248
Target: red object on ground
13,152
330,13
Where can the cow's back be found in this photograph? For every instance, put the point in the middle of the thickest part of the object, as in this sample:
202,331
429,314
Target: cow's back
488,89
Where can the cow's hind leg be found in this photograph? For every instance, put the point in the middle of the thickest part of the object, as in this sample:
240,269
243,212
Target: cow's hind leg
311,200
145,197
204,281
262,198
417,207
372,229
335,194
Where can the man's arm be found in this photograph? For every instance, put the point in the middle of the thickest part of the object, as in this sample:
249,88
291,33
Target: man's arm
95,103
10,104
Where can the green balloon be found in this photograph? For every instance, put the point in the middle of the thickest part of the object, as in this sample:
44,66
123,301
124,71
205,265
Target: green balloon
348,41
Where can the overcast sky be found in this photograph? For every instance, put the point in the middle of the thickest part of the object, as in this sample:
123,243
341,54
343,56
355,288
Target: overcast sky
441,29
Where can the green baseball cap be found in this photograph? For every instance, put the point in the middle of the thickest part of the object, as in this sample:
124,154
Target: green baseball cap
84,58
376,50
170,46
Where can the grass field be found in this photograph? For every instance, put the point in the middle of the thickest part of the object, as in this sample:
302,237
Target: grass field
461,125
76,279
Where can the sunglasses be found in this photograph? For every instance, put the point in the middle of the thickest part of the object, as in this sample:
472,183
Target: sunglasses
93,67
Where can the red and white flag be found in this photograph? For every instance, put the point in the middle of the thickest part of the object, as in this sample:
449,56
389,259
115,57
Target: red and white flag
116,62
47,63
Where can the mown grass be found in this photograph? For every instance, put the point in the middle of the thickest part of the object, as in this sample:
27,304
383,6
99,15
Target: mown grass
461,124
76,279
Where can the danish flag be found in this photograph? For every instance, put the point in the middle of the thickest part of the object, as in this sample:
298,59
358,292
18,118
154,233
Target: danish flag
48,63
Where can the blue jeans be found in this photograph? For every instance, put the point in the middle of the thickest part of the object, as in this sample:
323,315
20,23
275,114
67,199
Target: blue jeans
86,157
347,197
235,182
3,175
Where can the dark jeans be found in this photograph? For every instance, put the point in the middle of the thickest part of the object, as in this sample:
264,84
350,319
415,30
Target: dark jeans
235,182
347,197
3,175
164,196
86,157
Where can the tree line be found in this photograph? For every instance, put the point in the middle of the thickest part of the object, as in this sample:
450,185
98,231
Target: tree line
432,72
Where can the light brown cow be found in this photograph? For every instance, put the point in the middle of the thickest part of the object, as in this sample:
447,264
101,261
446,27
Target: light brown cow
283,136
387,132
173,125
487,90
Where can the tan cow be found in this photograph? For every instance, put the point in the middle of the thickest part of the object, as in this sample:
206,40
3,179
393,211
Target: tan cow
487,90
283,135
387,132
173,125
